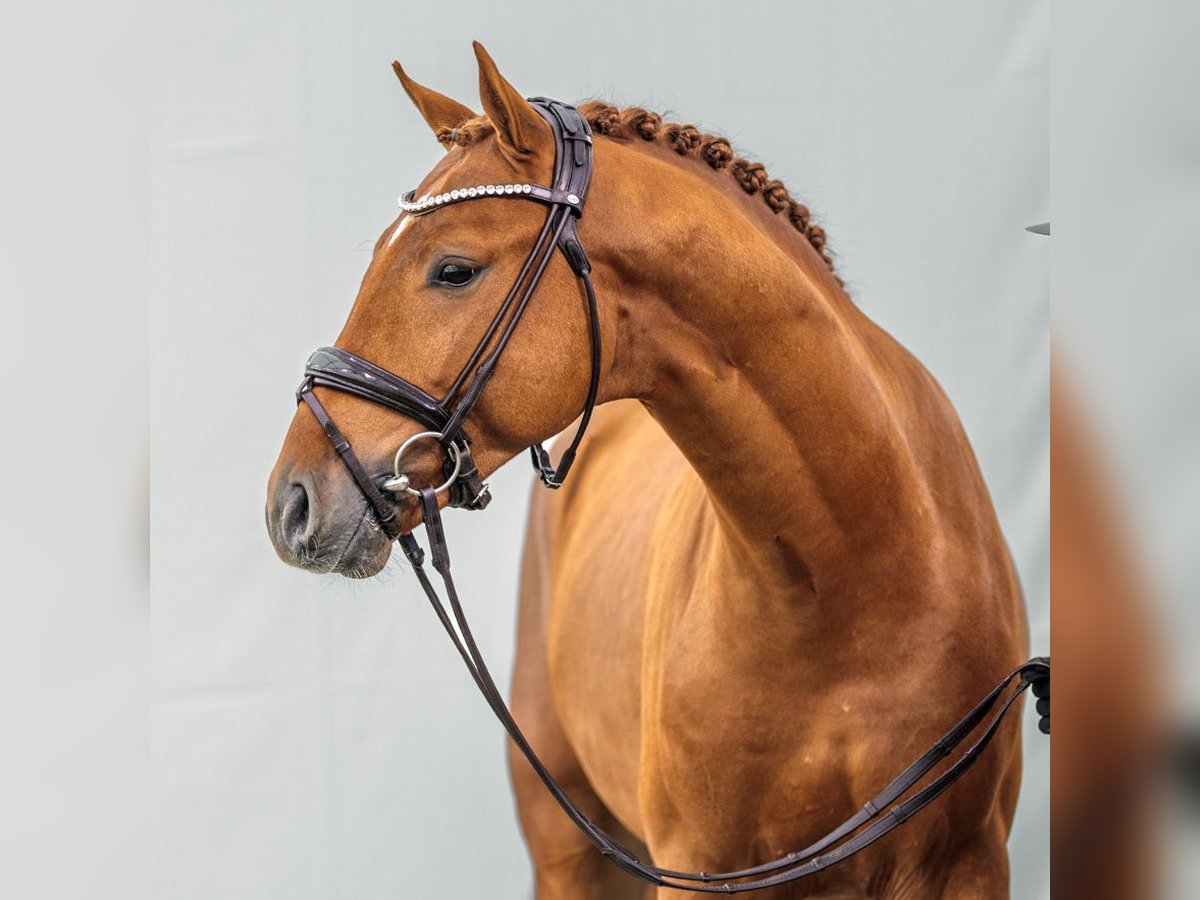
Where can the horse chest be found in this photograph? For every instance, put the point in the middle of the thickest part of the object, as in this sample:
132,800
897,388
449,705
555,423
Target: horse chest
740,739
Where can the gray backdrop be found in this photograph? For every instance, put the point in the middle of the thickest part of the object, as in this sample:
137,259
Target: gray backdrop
316,738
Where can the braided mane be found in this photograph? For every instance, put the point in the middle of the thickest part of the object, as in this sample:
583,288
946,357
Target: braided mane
686,140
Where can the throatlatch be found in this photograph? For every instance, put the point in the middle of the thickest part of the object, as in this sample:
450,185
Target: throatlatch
445,419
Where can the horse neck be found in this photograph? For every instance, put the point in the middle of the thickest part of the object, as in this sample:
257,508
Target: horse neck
799,415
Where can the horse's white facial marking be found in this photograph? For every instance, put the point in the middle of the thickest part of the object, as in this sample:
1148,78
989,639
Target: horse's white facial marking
400,226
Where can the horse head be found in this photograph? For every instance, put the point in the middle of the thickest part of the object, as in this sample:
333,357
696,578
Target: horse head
430,309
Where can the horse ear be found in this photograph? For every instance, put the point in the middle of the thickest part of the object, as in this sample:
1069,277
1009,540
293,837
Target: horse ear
438,110
521,131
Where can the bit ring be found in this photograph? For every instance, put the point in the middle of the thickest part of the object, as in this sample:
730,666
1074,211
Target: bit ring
399,482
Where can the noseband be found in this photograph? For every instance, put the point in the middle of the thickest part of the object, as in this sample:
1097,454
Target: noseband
342,370
333,367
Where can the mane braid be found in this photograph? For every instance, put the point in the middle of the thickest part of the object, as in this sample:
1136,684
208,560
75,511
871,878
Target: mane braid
633,122
687,140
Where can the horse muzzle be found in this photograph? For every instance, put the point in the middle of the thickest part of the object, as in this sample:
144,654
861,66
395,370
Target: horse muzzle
325,527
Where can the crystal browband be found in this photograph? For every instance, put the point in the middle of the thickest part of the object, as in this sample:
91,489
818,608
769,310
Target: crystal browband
409,204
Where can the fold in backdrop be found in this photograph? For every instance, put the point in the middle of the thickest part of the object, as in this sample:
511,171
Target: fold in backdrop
317,738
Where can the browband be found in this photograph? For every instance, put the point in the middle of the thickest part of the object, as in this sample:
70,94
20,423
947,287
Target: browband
546,195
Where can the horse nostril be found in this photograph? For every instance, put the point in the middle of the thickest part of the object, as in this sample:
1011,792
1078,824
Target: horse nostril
295,520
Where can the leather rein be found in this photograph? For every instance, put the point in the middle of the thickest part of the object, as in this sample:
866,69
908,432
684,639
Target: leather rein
342,370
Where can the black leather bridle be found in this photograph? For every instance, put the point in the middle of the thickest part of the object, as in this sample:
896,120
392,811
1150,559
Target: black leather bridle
342,370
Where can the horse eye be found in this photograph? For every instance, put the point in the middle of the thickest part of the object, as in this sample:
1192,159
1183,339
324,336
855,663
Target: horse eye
456,274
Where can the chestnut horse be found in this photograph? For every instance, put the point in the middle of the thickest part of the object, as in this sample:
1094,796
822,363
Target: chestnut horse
775,576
